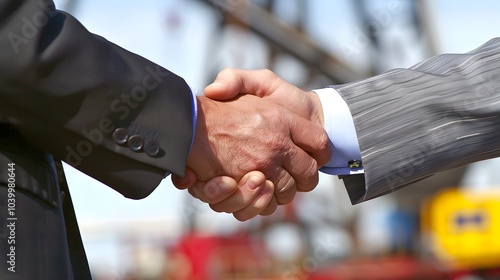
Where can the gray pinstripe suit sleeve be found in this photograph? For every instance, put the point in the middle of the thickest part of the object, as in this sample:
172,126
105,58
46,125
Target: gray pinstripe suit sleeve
413,123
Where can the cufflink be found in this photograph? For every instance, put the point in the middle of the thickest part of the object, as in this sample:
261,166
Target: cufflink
354,163
120,136
135,143
152,148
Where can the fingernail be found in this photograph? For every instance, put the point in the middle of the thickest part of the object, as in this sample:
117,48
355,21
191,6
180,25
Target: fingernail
211,190
215,189
253,182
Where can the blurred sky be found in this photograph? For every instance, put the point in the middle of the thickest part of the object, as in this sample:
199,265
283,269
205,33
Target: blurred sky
178,34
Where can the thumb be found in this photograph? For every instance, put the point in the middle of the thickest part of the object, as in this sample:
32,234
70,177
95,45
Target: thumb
232,82
220,90
227,85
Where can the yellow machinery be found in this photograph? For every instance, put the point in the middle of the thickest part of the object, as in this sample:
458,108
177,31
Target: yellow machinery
463,228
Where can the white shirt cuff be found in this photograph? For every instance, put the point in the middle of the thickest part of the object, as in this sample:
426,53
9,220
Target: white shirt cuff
346,156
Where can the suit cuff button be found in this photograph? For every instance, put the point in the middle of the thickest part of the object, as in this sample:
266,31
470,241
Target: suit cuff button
354,163
120,136
135,143
152,148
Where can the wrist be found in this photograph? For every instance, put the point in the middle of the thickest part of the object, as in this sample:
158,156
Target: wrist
197,155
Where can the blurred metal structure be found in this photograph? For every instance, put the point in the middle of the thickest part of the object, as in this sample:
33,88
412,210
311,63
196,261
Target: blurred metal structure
291,40
409,17
261,18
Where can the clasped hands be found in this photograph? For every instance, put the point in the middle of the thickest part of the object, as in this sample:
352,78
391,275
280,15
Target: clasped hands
258,141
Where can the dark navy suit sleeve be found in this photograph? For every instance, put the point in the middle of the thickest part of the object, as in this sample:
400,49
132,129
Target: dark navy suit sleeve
108,112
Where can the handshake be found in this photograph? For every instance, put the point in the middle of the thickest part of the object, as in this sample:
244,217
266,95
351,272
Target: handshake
258,141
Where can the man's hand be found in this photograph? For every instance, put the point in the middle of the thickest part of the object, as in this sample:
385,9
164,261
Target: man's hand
251,196
263,83
249,133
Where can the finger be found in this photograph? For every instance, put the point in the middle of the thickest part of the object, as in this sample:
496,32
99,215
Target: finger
215,190
195,193
311,138
188,180
285,186
285,197
260,203
248,188
271,207
303,168
231,82
298,171
219,188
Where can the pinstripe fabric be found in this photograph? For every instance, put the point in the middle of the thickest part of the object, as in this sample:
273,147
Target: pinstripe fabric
412,123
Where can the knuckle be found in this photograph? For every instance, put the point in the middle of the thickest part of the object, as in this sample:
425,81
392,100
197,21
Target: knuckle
227,71
324,148
323,141
310,182
285,197
286,193
311,171
285,182
273,112
267,74
277,143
